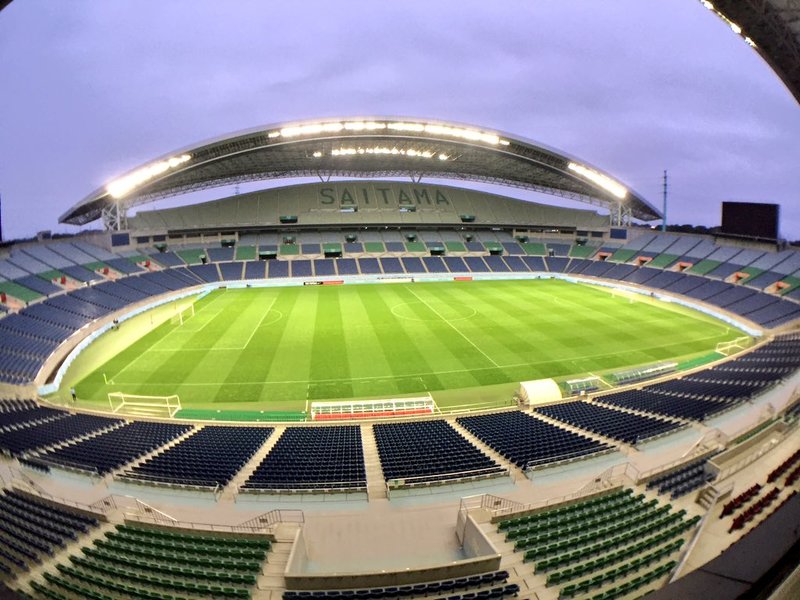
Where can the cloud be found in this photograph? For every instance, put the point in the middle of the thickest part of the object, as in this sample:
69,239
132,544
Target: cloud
634,87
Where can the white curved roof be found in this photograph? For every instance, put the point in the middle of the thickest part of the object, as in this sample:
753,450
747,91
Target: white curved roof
364,147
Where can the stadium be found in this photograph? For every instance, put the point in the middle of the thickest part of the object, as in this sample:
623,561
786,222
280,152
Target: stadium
389,384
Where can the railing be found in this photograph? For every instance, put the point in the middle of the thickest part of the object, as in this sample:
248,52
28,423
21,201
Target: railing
714,436
444,479
500,507
333,487
643,476
545,463
748,459
27,485
614,476
144,513
270,519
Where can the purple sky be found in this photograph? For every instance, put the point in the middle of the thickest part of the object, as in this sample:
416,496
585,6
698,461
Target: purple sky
91,89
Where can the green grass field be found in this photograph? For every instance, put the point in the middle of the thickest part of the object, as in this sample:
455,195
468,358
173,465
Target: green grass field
276,348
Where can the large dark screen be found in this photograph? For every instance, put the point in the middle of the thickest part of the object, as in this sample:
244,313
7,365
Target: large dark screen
750,219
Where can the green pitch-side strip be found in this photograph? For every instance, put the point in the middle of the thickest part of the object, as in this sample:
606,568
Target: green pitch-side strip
374,247
699,361
534,248
753,272
193,256
622,255
245,253
51,275
199,414
416,247
704,266
455,246
137,260
288,249
19,292
584,251
792,281
662,261
95,266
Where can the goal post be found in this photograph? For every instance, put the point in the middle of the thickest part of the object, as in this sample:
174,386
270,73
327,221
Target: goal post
121,402
182,314
728,348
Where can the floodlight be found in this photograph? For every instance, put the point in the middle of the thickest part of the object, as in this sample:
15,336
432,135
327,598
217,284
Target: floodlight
604,181
120,187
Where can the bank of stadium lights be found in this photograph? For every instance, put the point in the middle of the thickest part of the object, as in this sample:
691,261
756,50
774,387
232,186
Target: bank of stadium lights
120,187
734,27
384,150
604,181
463,133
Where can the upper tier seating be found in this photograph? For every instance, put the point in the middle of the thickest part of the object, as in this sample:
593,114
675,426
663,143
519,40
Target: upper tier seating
429,451
527,441
210,457
308,458
623,426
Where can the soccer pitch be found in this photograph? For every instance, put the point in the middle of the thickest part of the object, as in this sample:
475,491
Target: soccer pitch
276,348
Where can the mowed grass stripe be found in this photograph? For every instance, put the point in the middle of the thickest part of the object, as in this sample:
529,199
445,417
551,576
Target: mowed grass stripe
280,346
407,369
253,361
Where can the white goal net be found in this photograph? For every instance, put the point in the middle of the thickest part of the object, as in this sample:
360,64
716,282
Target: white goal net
728,348
144,405
182,315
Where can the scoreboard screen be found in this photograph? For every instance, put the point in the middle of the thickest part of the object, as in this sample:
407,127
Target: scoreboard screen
750,219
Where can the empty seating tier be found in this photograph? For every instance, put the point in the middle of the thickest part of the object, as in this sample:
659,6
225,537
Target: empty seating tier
28,438
136,561
30,527
681,481
109,451
529,442
486,586
313,458
614,541
209,458
429,451
623,426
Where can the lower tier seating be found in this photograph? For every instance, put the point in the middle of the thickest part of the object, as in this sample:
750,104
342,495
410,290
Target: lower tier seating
429,451
109,451
209,458
625,427
313,458
530,442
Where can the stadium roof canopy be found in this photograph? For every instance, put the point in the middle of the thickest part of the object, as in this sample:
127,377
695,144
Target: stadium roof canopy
772,27
376,147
